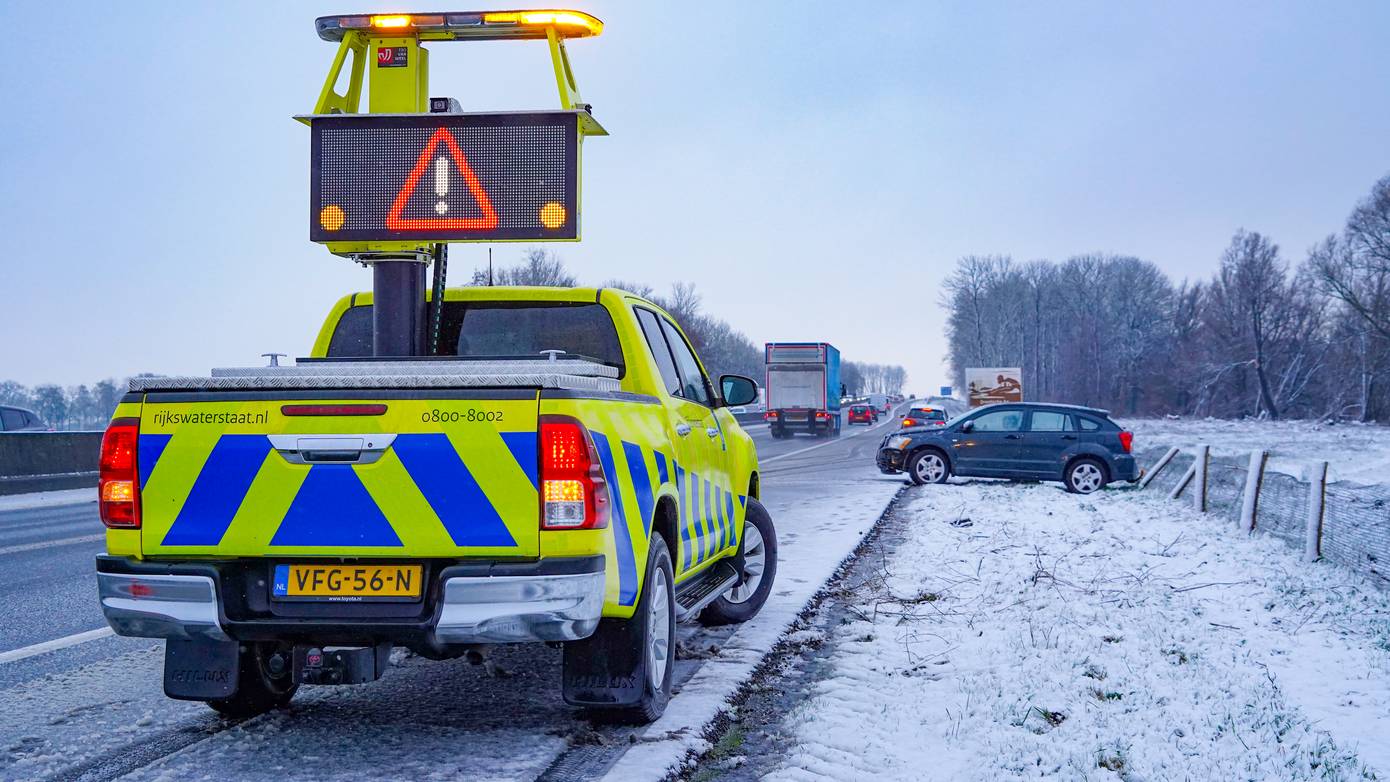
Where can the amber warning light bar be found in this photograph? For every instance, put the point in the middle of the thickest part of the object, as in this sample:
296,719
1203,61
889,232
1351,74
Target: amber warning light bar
463,25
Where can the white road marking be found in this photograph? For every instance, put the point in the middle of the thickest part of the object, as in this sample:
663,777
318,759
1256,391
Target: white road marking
831,441
46,543
15,655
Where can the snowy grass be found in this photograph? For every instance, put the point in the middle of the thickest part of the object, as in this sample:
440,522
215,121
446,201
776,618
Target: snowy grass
1111,637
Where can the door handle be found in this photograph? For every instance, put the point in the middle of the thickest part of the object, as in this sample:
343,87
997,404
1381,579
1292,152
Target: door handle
712,431
1068,437
331,448
682,429
1013,437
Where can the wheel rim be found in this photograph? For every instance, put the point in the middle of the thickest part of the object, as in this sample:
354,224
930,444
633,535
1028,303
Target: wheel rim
930,468
658,631
754,562
1085,478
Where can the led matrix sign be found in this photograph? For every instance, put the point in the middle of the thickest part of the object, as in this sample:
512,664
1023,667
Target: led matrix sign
445,177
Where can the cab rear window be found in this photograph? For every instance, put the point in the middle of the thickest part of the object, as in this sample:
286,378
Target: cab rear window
494,329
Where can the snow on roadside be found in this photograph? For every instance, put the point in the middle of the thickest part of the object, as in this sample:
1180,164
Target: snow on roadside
818,526
47,499
1354,452
1116,636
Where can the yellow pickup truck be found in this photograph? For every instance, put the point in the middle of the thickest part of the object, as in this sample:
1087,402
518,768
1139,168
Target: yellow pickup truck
561,469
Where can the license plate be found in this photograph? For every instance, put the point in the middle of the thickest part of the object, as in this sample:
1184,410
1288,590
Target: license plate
347,582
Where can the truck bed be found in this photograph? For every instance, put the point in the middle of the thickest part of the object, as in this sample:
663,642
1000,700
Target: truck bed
569,374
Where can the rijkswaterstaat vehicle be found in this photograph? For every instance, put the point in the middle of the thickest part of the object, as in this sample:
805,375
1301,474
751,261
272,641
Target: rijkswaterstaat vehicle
560,469
1079,446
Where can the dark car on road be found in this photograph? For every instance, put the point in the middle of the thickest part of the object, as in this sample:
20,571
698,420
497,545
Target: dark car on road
1079,446
17,419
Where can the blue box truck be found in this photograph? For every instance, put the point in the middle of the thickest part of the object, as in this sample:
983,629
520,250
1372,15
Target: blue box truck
803,388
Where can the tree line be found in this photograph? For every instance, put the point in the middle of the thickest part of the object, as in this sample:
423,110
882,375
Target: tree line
723,348
1260,338
79,407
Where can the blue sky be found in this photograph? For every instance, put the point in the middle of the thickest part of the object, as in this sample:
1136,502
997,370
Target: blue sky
815,169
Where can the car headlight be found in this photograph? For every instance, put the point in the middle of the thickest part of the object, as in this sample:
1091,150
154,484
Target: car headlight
899,443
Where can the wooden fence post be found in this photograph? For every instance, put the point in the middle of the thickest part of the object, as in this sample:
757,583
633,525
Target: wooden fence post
1199,478
1312,532
1254,477
1157,468
1182,482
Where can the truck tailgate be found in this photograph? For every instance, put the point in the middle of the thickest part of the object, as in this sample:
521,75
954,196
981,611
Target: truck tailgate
405,474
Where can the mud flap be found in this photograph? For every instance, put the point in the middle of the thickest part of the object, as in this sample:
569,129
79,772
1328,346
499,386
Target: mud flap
603,669
200,670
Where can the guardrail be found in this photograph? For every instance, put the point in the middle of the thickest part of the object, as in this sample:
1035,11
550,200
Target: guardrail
48,461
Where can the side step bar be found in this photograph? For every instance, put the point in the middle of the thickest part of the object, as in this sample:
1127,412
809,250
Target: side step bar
700,592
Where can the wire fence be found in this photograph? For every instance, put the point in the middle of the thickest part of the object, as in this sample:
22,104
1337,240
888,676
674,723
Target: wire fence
1346,523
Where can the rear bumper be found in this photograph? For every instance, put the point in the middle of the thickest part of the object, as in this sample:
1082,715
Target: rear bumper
1126,469
555,599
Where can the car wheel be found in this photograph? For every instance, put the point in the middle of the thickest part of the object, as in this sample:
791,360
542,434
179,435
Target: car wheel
258,690
928,466
743,600
1085,476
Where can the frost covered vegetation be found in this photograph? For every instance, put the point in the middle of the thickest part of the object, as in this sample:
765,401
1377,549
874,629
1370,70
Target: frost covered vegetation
1258,338
1113,637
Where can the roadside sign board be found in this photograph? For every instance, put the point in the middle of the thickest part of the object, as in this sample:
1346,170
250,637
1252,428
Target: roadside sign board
945,391
490,177
991,385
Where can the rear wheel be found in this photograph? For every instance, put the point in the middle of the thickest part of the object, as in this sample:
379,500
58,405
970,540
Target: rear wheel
928,466
743,600
1085,476
261,684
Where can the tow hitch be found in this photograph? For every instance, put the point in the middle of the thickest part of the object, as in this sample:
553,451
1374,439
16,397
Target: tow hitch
318,665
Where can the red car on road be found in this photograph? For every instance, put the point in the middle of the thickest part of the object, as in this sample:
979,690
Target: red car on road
860,414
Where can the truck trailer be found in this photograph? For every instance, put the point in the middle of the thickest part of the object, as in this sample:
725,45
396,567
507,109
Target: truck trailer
803,388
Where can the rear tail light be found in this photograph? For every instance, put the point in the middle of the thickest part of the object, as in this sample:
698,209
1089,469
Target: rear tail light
770,415
574,494
909,422
1127,441
117,486
822,416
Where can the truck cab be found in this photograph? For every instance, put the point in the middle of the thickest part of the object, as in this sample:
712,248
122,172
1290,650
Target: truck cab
560,468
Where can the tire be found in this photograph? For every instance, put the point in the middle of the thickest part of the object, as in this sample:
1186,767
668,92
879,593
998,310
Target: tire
741,602
653,629
258,691
1085,476
928,466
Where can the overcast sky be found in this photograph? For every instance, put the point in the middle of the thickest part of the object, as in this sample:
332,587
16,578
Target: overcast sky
814,168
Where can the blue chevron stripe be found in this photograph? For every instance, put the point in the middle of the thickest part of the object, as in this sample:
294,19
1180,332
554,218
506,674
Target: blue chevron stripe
151,447
627,565
451,490
641,484
333,508
218,490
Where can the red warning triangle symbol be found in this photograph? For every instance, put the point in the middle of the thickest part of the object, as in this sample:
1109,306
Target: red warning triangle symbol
488,221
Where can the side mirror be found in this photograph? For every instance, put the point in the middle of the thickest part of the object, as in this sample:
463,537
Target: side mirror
902,415
968,426
738,390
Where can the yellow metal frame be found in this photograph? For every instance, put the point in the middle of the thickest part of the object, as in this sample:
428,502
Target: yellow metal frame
405,90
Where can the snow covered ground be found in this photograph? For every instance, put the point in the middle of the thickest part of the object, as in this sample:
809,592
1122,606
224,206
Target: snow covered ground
1117,636
1355,452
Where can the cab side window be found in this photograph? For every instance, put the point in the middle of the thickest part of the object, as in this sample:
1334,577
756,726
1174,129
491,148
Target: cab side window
1049,421
694,385
651,329
1001,421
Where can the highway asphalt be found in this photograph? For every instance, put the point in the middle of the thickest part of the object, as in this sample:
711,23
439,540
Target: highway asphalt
55,651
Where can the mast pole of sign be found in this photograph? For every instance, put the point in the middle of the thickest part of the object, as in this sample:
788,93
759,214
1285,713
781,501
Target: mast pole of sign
398,280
